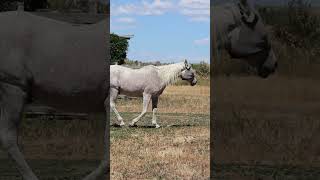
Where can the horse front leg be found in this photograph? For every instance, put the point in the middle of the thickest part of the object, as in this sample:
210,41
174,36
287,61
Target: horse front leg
146,100
11,108
113,97
154,111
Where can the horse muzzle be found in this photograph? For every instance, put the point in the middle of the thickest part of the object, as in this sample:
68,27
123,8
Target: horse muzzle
264,72
193,82
269,66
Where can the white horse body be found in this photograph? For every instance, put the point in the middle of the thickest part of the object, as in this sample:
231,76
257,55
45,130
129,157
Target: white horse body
148,82
122,77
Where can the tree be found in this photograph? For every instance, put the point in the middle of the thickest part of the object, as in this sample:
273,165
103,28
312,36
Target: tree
118,48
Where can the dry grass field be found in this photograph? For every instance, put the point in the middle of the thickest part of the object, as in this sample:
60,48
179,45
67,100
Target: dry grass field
58,149
175,99
266,128
178,150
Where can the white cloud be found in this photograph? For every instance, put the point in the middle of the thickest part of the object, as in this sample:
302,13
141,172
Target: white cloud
124,9
121,27
195,10
156,7
203,41
127,20
122,23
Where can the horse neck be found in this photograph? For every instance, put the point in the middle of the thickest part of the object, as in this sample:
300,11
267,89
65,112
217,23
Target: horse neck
170,73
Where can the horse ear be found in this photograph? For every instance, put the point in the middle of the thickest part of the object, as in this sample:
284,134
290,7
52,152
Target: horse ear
247,3
187,65
185,62
248,15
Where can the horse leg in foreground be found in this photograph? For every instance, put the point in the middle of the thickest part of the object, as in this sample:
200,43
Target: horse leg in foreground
11,107
103,166
154,110
113,97
146,100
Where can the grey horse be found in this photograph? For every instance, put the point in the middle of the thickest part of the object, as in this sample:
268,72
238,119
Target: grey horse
54,63
238,28
148,82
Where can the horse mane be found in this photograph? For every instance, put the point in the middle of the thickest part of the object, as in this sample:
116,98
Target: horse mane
170,73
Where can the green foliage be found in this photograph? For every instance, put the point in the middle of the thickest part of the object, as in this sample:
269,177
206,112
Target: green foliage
82,5
301,21
202,69
7,5
118,48
296,25
68,4
56,4
31,5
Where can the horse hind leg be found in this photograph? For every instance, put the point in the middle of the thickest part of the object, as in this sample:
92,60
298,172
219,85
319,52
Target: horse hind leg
154,111
146,100
11,107
113,98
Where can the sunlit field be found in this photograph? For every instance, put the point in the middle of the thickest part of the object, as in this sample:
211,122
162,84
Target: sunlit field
177,150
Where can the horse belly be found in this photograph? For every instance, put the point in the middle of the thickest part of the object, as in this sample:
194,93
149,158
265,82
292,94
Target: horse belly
131,93
85,101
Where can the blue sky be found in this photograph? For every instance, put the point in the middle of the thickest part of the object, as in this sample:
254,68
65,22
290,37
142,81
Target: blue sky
164,30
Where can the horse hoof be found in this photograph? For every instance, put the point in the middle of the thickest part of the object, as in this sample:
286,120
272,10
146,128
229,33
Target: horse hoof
132,125
122,124
116,125
157,126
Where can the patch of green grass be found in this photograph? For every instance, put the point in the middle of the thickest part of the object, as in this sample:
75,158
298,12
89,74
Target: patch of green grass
166,119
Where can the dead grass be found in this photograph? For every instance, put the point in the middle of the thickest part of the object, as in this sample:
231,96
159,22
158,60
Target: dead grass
175,99
64,140
181,153
271,121
179,150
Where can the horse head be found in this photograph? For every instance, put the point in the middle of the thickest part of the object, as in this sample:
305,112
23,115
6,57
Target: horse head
188,74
